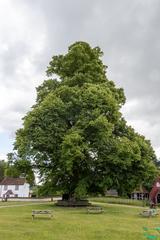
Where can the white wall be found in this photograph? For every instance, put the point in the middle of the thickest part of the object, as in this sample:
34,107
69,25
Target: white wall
23,190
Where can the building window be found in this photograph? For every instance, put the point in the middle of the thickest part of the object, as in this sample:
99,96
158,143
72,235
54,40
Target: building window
5,187
16,187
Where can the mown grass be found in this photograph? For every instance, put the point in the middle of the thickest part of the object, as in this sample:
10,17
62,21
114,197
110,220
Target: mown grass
8,203
117,223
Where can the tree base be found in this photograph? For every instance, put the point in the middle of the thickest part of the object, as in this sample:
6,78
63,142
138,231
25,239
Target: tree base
71,203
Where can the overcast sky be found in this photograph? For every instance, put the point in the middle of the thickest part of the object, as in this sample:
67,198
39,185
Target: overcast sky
128,32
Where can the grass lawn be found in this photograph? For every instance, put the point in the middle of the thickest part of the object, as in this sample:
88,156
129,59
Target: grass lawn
117,223
8,203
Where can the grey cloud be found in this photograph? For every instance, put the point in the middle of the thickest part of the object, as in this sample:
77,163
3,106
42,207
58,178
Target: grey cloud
12,57
146,108
128,34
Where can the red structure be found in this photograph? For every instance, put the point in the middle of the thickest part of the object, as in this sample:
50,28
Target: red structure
154,192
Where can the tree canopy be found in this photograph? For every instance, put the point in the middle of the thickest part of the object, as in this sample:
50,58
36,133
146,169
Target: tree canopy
18,167
75,134
3,166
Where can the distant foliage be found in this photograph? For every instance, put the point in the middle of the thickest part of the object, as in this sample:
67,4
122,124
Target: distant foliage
18,167
3,166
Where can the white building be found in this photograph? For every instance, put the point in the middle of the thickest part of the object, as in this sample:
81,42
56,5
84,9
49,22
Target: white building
14,187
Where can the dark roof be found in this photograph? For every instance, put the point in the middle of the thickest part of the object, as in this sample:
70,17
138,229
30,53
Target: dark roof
13,181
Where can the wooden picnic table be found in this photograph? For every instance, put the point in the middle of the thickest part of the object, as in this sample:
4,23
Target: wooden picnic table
149,212
95,209
42,212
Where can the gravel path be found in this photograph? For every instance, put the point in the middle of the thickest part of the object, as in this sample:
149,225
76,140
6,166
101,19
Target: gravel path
120,205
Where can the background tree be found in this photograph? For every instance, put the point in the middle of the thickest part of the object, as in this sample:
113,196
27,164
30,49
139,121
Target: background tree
16,167
3,166
75,134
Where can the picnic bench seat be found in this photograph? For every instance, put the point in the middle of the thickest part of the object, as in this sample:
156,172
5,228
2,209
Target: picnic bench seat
41,212
95,209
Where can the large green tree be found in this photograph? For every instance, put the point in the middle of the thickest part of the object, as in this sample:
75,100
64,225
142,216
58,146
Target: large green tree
75,134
